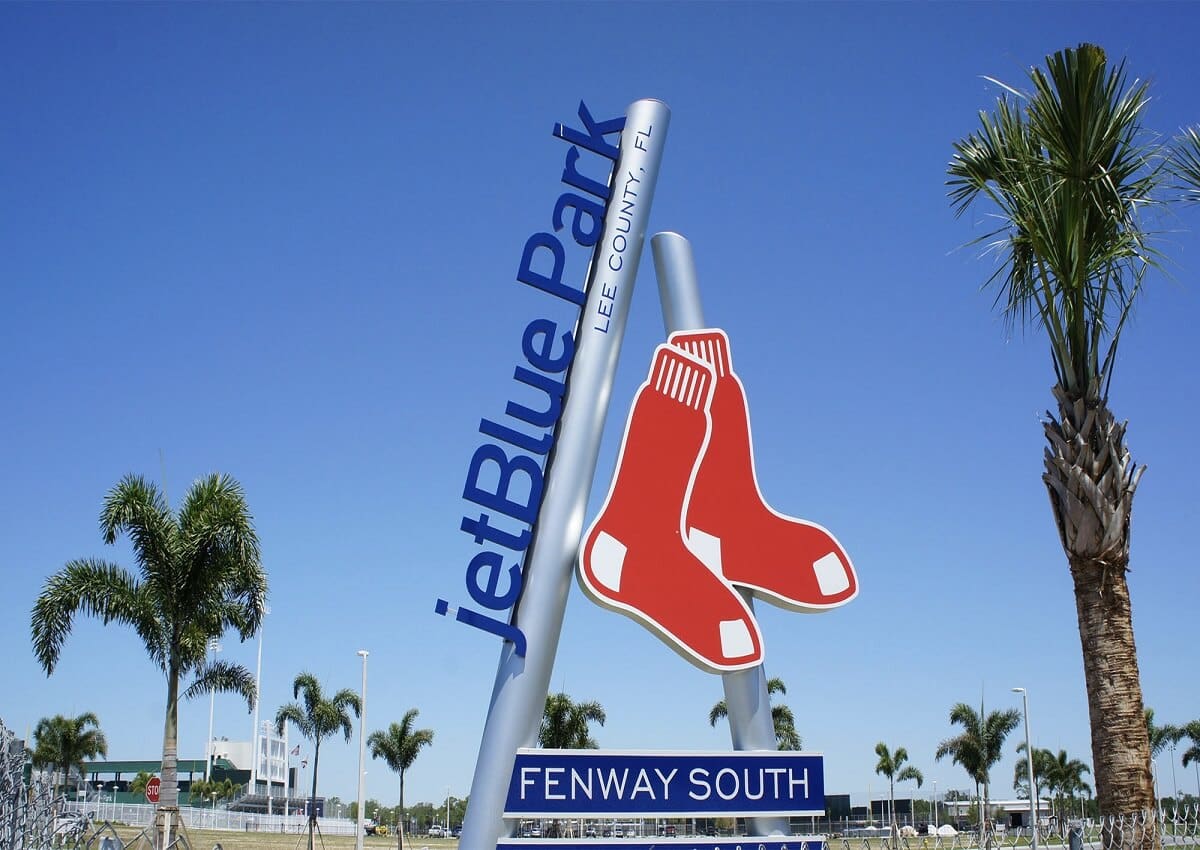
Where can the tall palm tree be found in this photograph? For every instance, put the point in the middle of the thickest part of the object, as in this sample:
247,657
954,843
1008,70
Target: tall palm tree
979,746
63,743
891,765
1067,170
399,747
317,719
198,575
784,721
566,724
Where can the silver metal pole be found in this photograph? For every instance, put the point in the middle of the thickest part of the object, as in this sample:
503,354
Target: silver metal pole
1034,802
750,723
362,754
522,683
256,747
214,647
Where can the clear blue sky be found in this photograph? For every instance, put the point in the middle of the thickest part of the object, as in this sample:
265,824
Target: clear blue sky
280,241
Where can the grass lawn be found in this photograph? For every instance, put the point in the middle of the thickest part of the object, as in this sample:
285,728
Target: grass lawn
207,839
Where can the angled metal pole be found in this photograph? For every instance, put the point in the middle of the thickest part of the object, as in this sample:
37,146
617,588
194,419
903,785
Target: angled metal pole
522,683
750,723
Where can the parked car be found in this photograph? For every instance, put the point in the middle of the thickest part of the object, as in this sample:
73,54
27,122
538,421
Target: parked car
436,831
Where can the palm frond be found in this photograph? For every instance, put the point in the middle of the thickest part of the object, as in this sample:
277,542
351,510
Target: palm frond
137,508
99,589
223,677
1185,163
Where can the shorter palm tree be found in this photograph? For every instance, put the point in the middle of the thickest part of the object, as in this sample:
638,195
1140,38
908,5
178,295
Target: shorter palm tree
1066,777
979,746
566,725
399,747
782,718
63,743
1192,732
1041,772
317,719
891,765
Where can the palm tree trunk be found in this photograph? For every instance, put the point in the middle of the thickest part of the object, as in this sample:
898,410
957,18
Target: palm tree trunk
1091,480
401,830
312,800
1120,744
168,801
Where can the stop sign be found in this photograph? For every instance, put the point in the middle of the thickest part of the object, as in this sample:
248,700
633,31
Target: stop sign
152,789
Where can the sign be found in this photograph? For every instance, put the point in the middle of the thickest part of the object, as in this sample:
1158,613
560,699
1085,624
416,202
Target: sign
505,478
152,789
606,783
697,843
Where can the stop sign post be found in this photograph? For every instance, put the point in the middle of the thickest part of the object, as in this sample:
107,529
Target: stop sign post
152,789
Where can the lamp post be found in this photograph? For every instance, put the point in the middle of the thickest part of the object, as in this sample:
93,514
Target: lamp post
935,811
362,752
257,745
214,646
1034,803
447,809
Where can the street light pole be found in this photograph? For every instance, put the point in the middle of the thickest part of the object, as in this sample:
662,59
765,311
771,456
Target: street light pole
1034,803
362,752
214,646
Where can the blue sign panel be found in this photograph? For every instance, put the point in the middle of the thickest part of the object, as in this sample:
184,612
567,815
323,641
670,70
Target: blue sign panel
601,783
698,843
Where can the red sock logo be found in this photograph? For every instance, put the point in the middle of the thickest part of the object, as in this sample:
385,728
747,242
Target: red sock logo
634,557
781,559
684,520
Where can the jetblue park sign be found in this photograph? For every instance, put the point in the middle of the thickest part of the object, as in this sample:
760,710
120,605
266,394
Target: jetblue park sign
606,783
504,479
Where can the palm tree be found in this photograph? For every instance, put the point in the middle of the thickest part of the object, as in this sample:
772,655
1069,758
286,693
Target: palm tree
1160,738
1043,777
979,746
784,721
399,747
1067,778
1192,731
566,724
890,764
198,575
317,719
1068,170
63,743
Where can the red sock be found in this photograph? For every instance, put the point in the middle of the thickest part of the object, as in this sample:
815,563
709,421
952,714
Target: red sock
781,559
633,558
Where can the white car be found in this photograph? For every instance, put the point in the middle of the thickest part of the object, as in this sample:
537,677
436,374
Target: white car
436,831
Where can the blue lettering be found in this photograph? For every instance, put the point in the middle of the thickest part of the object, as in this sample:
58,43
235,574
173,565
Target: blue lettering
553,283
593,139
485,594
498,501
582,206
541,357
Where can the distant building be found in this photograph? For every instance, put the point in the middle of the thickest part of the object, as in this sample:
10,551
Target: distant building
268,789
1011,813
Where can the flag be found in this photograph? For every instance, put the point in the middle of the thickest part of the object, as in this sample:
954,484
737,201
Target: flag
296,750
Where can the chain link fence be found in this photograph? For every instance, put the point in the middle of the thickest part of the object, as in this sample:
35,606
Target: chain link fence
1139,831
